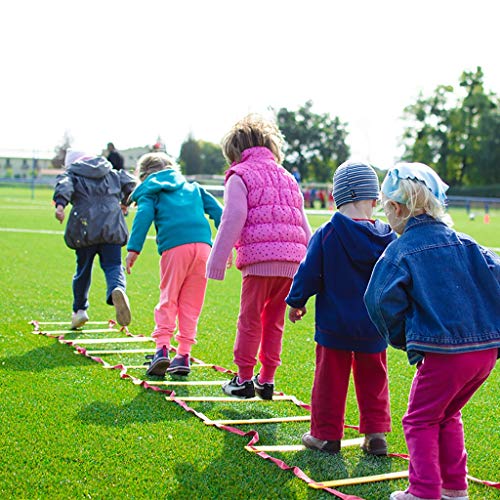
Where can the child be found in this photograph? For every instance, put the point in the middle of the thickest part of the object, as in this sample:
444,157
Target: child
264,219
435,293
96,226
337,268
183,236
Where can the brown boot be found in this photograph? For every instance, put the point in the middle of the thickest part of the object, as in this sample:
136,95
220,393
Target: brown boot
375,444
309,441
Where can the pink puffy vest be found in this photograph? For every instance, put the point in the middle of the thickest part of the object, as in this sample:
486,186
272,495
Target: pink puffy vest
273,230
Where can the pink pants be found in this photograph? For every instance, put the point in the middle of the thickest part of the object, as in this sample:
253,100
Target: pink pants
432,424
329,393
182,292
260,325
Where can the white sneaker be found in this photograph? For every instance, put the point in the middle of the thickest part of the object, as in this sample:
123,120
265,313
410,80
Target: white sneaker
122,306
79,318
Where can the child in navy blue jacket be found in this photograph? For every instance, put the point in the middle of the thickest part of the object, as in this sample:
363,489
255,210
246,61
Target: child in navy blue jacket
337,268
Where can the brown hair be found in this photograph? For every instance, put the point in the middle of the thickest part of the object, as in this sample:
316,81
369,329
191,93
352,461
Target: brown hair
253,130
154,162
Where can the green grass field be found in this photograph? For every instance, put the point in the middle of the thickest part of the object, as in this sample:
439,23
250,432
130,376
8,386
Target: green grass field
71,429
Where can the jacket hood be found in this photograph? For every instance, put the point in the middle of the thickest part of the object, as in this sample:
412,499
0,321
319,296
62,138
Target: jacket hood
94,168
165,180
363,240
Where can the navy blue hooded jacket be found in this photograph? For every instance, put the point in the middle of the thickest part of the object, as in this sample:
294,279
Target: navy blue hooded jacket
337,267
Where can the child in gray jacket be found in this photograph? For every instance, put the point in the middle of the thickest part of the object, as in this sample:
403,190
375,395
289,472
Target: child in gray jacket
96,226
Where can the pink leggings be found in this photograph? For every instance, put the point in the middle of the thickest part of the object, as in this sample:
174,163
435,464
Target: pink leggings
182,292
260,325
433,421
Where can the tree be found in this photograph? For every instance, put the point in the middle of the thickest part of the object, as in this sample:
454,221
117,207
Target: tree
190,156
60,150
212,159
456,135
314,143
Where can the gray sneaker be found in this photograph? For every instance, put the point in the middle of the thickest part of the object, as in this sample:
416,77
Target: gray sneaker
122,306
309,441
79,318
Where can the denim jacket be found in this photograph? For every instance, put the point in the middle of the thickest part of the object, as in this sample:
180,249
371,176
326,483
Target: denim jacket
436,290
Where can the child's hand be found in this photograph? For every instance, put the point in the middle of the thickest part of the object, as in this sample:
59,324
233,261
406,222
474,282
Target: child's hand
229,262
296,313
130,260
59,213
124,209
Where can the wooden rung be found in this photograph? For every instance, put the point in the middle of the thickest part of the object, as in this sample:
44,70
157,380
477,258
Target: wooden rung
298,418
230,400
61,332
186,382
114,340
298,447
121,351
69,323
360,480
145,367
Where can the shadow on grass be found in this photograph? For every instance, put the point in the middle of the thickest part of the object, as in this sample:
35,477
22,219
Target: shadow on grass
233,473
43,358
144,408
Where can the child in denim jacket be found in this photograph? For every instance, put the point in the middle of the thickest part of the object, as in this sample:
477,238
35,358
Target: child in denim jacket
435,293
336,269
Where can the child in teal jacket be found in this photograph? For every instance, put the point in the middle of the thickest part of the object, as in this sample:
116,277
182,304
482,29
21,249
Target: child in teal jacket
183,235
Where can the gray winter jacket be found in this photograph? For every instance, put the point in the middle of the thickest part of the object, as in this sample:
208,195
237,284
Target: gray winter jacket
95,190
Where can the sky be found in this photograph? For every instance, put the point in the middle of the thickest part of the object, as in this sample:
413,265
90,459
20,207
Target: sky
127,71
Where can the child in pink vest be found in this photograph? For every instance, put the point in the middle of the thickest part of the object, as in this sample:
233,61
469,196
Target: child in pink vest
264,220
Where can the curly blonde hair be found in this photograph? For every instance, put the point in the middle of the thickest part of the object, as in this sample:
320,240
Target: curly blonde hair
150,163
253,130
418,199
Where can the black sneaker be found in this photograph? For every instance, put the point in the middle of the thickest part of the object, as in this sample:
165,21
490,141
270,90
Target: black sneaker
159,362
179,365
246,390
264,391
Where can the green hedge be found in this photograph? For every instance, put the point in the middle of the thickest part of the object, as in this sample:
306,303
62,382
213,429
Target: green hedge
490,191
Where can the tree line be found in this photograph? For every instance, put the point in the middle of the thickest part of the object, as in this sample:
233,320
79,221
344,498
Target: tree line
456,130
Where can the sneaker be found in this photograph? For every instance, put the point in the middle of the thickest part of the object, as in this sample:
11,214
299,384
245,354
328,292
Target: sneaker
375,444
264,391
159,362
454,494
122,306
233,388
179,365
79,318
405,495
309,441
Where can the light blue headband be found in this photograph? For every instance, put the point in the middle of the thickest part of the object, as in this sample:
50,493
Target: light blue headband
414,171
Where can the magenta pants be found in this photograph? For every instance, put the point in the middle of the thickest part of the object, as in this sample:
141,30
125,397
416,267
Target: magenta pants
182,292
432,424
329,393
260,325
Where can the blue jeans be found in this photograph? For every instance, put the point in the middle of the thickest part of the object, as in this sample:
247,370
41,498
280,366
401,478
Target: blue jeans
110,259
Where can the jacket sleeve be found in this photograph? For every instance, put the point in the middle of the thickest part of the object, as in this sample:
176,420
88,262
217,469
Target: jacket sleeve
308,279
387,301
63,190
211,206
127,183
142,222
493,262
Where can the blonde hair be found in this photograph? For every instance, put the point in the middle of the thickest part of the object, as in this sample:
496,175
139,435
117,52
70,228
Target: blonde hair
253,130
418,198
154,162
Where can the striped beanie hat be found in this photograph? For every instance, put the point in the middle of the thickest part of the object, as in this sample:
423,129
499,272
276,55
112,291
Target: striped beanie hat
354,180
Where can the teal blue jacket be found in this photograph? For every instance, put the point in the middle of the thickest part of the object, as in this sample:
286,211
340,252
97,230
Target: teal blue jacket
177,208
